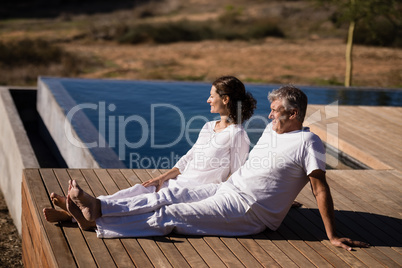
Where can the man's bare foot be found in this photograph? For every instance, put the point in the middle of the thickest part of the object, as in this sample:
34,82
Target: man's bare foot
54,215
78,216
296,204
90,206
58,200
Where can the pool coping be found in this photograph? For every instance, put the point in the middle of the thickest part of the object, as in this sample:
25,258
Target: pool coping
52,104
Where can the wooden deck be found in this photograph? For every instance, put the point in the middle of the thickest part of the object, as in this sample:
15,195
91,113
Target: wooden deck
372,135
368,208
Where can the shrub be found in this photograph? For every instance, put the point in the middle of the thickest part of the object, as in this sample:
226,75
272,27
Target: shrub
381,33
28,51
196,31
24,60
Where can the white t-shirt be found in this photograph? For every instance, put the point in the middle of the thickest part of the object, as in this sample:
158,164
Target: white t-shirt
276,172
213,157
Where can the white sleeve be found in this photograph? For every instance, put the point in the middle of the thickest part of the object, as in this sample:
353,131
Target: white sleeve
314,157
240,147
185,159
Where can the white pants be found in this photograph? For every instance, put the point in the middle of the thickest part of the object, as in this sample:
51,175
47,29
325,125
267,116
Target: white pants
212,209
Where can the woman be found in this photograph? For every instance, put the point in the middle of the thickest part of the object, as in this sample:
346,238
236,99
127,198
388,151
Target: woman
221,148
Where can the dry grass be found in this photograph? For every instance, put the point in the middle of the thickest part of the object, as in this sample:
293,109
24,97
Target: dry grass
312,53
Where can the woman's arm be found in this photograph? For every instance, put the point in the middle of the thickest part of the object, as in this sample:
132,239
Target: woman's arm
185,159
240,147
158,181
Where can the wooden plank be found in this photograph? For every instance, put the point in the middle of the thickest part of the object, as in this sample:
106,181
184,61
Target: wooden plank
223,252
142,175
360,140
50,238
29,236
348,229
74,236
78,247
99,181
274,251
170,251
302,225
119,178
165,250
305,248
376,232
132,247
155,255
387,225
108,183
98,248
253,248
204,250
240,252
288,249
187,251
131,177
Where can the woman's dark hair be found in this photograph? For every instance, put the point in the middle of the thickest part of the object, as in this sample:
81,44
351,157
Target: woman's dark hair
241,103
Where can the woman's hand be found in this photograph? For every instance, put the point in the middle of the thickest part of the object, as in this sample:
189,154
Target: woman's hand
157,182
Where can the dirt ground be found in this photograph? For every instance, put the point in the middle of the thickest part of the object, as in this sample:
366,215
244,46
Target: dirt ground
273,60
10,242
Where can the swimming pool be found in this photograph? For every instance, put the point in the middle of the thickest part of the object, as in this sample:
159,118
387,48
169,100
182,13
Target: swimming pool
151,124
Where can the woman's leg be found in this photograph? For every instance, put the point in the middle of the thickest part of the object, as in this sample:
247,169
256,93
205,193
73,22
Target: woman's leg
150,202
132,191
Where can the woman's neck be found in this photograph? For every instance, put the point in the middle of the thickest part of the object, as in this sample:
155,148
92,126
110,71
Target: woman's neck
223,123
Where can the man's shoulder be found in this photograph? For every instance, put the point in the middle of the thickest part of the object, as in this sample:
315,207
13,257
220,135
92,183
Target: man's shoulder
309,136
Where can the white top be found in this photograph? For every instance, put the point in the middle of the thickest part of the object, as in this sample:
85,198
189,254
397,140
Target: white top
276,172
213,157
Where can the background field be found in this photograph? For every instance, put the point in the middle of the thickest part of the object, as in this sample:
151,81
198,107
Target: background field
258,41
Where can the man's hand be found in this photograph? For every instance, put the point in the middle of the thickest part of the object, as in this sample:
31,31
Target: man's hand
348,243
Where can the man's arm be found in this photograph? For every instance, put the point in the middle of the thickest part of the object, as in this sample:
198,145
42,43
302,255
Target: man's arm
325,204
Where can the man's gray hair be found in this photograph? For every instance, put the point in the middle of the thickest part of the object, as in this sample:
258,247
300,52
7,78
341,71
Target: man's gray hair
292,97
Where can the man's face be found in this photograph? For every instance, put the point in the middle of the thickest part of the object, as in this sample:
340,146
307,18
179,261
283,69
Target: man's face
280,118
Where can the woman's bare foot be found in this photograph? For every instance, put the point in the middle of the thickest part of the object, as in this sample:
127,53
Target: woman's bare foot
90,206
78,216
54,215
58,200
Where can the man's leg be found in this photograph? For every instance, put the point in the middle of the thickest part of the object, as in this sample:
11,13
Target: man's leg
224,214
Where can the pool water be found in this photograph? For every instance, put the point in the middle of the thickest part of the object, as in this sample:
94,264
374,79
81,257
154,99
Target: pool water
151,124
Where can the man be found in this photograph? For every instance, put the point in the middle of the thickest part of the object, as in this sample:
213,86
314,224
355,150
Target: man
257,196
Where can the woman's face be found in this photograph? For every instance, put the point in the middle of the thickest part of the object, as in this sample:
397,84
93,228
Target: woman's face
218,104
